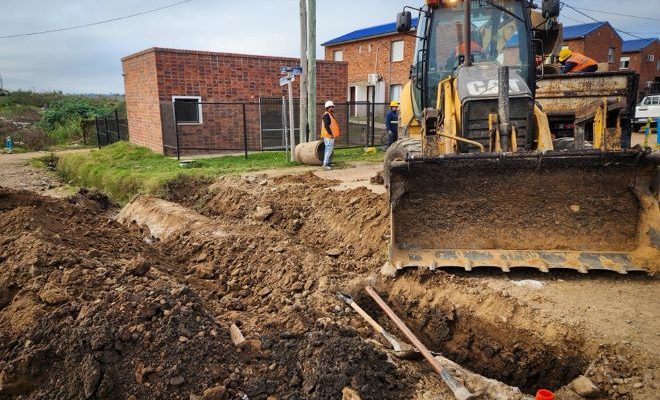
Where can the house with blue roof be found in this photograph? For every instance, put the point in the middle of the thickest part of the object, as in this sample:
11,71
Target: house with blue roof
643,57
379,60
598,40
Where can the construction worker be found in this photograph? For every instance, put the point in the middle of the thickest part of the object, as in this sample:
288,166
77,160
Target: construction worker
329,132
573,62
392,123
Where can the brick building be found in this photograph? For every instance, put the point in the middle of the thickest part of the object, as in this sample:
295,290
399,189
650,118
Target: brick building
643,56
156,77
598,40
379,60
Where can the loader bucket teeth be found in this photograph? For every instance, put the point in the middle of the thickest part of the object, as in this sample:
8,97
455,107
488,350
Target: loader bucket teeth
583,211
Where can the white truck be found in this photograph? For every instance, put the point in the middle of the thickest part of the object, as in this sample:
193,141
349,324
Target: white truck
649,107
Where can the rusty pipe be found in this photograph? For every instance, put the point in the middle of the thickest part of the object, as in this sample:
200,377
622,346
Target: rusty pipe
459,391
467,33
464,140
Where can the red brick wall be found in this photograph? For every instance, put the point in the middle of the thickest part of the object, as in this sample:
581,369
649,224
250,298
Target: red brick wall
596,45
361,64
224,77
647,70
142,105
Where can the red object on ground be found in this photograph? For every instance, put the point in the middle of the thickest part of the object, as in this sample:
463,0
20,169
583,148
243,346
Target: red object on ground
543,394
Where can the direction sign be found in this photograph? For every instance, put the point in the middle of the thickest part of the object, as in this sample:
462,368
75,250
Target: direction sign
297,70
286,79
285,70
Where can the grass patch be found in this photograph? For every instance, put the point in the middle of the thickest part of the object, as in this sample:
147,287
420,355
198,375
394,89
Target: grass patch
122,170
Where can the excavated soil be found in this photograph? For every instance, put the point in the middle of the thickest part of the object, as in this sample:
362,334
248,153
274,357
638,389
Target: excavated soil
496,207
140,306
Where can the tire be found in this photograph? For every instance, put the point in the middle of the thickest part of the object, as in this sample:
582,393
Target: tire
399,151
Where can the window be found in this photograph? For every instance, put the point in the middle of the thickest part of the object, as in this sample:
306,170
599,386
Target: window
360,49
397,51
395,92
187,109
369,48
650,57
625,63
610,55
338,55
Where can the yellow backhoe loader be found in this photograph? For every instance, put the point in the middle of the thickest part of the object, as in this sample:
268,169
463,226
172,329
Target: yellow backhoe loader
478,178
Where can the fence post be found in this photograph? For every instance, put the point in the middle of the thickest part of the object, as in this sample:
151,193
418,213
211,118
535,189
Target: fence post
98,139
117,124
373,122
176,131
348,125
105,129
368,126
245,141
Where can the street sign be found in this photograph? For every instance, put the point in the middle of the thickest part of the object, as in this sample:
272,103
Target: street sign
291,70
286,79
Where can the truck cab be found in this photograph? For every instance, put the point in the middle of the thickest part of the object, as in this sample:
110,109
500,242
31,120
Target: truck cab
649,107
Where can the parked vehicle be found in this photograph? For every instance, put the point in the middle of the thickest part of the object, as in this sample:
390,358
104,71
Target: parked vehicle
649,107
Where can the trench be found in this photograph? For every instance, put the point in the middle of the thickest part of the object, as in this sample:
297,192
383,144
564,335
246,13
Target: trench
515,356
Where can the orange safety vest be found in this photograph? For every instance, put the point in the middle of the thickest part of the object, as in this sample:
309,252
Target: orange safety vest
582,61
334,127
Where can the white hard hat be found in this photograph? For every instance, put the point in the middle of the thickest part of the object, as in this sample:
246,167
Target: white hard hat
329,103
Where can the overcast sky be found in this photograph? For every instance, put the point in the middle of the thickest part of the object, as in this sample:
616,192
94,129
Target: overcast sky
87,60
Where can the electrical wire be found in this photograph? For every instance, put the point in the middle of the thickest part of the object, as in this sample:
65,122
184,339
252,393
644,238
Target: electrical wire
95,23
618,14
594,19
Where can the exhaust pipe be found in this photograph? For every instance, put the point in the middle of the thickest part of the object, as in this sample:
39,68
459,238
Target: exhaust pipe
503,106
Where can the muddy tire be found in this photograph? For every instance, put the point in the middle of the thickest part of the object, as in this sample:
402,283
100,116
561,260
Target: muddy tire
398,151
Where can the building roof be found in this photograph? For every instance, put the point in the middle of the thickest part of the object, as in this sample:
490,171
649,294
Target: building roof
360,34
582,30
633,46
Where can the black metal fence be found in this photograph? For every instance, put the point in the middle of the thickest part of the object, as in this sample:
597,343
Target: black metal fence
110,129
193,127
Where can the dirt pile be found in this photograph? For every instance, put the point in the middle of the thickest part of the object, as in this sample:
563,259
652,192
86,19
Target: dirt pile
93,308
89,309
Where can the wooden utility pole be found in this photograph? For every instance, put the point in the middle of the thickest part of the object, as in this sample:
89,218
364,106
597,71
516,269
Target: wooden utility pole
303,76
311,62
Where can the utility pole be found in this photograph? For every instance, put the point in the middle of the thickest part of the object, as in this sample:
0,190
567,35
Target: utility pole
303,76
311,62
292,126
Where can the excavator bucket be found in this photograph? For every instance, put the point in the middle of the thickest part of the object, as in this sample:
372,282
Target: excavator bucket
583,210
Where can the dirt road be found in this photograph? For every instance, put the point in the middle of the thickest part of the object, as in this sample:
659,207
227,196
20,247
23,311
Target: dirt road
141,306
17,173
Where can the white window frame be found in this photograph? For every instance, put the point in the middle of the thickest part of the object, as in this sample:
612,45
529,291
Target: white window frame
400,86
610,55
624,60
392,51
199,109
360,49
650,57
341,55
369,48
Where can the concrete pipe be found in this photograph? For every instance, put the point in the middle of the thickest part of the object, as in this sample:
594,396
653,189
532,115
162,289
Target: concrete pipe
310,153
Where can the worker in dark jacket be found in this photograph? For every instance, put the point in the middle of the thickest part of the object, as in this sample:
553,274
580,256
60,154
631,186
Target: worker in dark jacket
573,62
392,123
329,132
